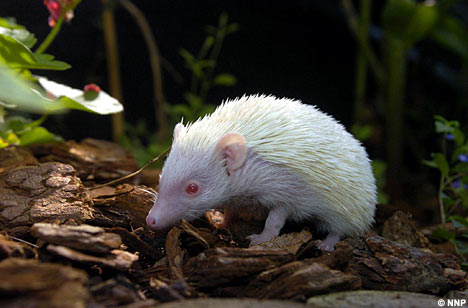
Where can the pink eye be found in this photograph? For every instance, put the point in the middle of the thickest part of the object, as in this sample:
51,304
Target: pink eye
191,189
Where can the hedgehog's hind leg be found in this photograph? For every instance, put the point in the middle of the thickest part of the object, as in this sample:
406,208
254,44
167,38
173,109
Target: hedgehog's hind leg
328,244
273,224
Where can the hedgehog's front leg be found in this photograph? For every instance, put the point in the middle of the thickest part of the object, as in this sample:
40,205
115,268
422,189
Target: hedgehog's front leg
274,222
328,244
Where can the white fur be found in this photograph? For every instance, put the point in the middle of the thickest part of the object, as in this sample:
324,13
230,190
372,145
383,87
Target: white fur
298,138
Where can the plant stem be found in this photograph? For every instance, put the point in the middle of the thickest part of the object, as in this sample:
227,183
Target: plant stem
353,23
214,57
113,67
361,63
150,41
441,201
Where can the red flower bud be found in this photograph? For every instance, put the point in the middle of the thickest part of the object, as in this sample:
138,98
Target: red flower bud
92,87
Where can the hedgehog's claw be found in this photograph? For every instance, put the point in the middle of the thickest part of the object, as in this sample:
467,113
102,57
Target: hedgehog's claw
256,239
328,244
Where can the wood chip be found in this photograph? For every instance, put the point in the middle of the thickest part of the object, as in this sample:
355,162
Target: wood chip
82,237
118,259
401,229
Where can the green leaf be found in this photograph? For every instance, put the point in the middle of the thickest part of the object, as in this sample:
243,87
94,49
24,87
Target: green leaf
15,54
8,26
462,194
443,234
448,202
37,135
23,95
188,57
194,101
362,132
458,136
452,34
462,247
430,163
441,163
233,28
458,221
20,34
408,21
181,110
461,168
227,80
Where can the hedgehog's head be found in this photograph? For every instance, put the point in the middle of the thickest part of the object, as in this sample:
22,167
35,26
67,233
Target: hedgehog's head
196,176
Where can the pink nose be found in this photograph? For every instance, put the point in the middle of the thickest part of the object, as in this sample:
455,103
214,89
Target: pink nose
150,221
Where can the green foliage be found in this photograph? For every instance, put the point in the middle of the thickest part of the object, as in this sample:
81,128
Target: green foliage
452,164
133,138
21,90
204,77
202,67
22,132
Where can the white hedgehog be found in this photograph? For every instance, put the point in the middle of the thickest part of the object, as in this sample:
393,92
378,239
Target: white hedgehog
265,153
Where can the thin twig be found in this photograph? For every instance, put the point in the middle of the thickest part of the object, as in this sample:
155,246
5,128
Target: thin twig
133,173
353,23
23,241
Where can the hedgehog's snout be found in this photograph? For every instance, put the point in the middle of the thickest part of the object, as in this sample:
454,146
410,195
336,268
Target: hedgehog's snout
151,221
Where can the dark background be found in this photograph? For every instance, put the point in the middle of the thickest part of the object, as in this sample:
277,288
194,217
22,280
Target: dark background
297,49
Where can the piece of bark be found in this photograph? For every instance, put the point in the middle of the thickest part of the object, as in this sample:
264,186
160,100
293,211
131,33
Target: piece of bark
401,229
48,192
96,160
13,156
106,215
299,280
336,259
29,283
386,265
82,237
205,239
174,254
115,292
118,259
220,266
381,299
134,242
232,303
137,200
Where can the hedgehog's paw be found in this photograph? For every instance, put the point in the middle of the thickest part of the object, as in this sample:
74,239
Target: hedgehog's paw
328,244
256,239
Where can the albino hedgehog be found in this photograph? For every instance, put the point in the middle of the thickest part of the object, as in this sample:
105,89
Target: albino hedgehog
265,153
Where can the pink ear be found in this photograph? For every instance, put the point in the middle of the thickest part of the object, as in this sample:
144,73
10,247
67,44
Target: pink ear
233,148
177,129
